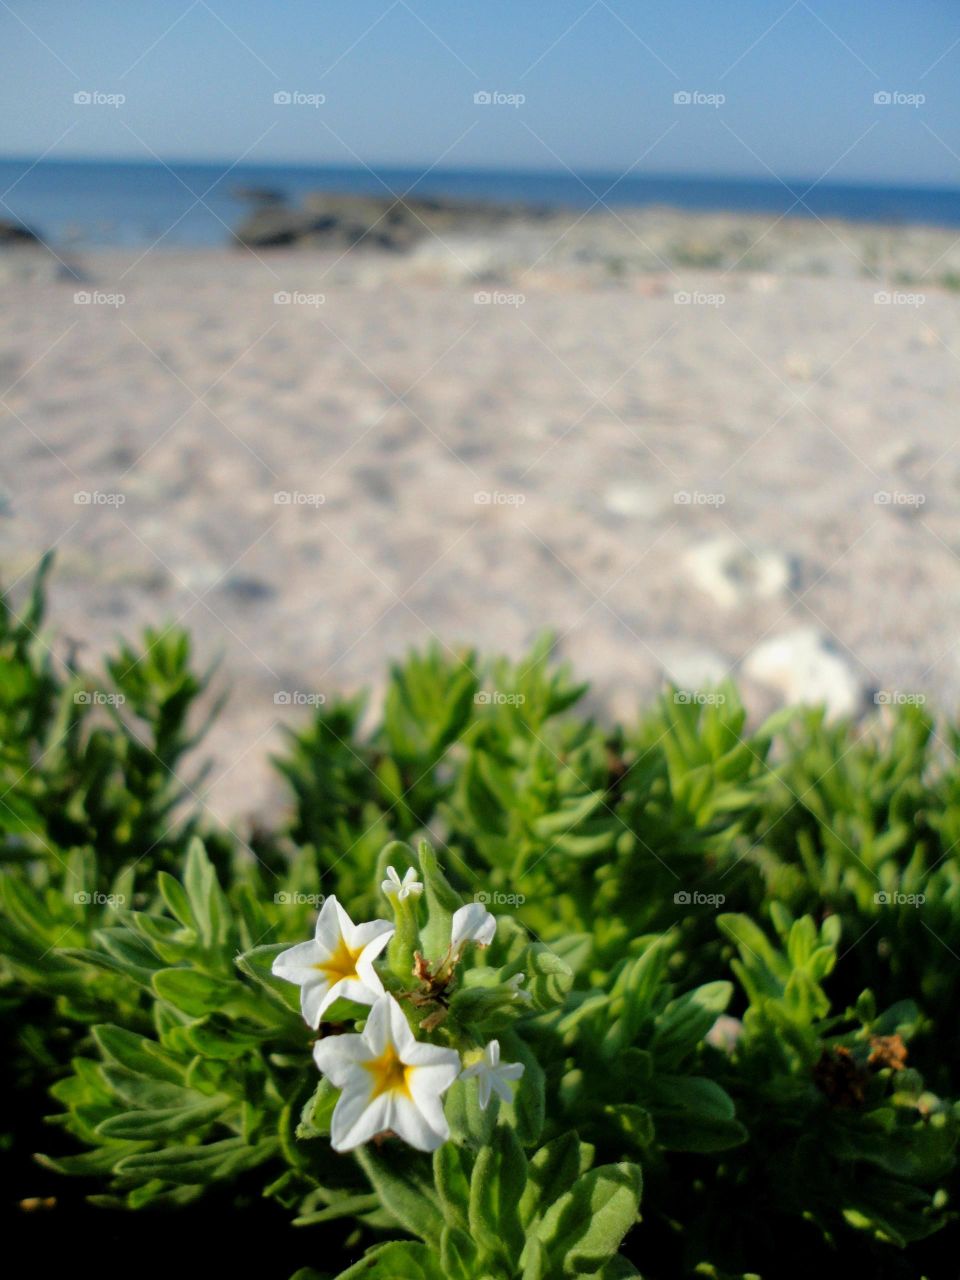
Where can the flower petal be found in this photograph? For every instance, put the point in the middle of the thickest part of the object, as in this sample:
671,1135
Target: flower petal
472,923
327,932
357,1118
296,963
409,1122
316,997
427,1085
338,1057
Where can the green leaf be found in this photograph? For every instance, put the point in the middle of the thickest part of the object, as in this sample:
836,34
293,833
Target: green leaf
451,1175
549,978
396,1260
207,901
256,964
404,1191
584,1228
496,1185
685,1021
442,901
551,1173
195,993
693,1114
156,1125
318,1111
210,1162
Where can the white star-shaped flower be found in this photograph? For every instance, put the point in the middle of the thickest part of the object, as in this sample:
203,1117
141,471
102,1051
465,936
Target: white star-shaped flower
492,1075
516,983
472,923
388,1080
402,888
338,962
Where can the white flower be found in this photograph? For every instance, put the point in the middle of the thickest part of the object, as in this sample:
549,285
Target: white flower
402,888
472,923
338,962
388,1080
492,1075
725,1033
516,982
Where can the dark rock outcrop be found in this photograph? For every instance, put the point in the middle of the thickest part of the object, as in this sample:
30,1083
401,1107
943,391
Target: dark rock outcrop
374,222
14,233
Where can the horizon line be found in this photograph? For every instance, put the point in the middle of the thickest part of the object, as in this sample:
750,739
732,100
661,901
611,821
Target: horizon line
414,166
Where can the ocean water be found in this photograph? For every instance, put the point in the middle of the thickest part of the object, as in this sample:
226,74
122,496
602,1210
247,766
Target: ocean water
196,205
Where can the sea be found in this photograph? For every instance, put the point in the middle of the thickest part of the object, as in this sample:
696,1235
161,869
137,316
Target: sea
190,205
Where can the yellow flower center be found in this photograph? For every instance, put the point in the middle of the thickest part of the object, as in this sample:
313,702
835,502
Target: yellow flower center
390,1075
341,963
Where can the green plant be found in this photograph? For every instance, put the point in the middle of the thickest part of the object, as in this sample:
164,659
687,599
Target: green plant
716,962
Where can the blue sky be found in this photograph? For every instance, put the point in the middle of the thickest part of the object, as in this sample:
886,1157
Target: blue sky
399,78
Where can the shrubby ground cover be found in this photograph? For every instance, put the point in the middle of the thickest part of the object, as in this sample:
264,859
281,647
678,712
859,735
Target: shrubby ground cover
504,992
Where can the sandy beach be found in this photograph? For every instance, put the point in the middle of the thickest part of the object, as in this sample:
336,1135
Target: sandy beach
674,439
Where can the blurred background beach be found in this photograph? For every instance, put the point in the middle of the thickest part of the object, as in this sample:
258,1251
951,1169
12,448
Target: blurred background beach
338,330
